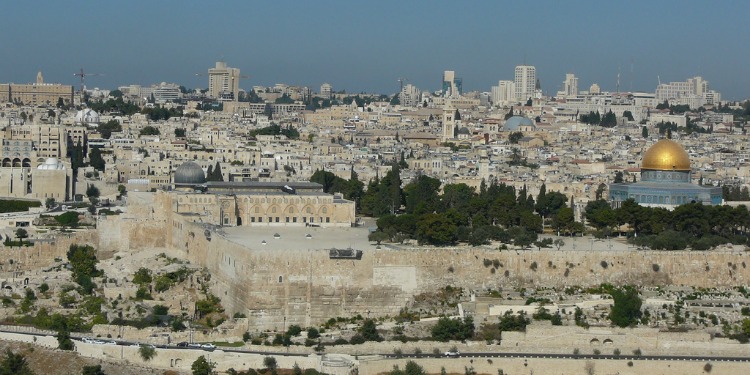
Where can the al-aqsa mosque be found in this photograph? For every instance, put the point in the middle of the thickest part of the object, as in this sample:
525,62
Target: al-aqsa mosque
665,181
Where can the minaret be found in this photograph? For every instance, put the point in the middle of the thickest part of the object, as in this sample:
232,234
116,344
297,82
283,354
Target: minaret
39,78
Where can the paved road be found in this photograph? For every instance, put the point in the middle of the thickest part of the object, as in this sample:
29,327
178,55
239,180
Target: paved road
79,338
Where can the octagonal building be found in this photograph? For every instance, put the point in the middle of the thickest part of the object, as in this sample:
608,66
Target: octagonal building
665,181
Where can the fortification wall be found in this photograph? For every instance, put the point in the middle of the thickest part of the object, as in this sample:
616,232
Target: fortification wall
300,286
305,287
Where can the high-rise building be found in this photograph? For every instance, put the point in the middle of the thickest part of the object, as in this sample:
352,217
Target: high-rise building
525,81
694,92
570,86
409,96
503,93
325,90
223,82
452,85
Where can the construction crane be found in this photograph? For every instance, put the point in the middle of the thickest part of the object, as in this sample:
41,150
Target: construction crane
83,76
401,82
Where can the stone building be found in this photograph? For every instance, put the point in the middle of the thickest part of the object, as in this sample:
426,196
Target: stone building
253,203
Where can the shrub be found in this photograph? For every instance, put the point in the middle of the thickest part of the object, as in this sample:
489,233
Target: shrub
147,352
655,267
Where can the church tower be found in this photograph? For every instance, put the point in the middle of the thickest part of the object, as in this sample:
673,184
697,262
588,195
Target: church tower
39,78
449,123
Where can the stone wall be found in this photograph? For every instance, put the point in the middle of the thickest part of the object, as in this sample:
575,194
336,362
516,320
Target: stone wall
305,287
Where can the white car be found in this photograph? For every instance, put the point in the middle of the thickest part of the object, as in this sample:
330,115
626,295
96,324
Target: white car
452,353
208,346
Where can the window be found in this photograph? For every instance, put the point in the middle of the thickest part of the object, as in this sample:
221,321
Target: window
252,219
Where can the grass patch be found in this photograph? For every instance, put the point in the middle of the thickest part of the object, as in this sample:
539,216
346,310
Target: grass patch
229,344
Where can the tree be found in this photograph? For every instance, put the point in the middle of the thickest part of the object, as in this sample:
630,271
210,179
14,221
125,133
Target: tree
422,195
179,132
49,203
92,191
142,276
627,307
618,177
378,237
436,229
21,234
149,130
453,329
628,115
514,137
14,364
369,331
609,120
313,333
108,128
644,131
63,339
202,367
95,159
93,370
270,363
147,352
214,174
395,100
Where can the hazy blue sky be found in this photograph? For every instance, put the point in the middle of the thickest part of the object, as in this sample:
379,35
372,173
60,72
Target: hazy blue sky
367,45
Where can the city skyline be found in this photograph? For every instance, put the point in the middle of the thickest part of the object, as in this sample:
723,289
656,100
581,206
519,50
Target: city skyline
367,47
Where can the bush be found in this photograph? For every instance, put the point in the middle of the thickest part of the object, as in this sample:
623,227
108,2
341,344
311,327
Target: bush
453,329
313,333
147,352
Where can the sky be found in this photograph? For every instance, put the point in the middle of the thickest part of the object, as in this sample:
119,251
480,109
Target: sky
365,46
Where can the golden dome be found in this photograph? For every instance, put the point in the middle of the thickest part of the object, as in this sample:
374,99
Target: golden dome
666,155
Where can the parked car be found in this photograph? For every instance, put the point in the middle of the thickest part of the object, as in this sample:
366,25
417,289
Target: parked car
182,344
209,347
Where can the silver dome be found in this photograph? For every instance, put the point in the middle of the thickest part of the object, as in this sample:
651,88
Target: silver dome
189,173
